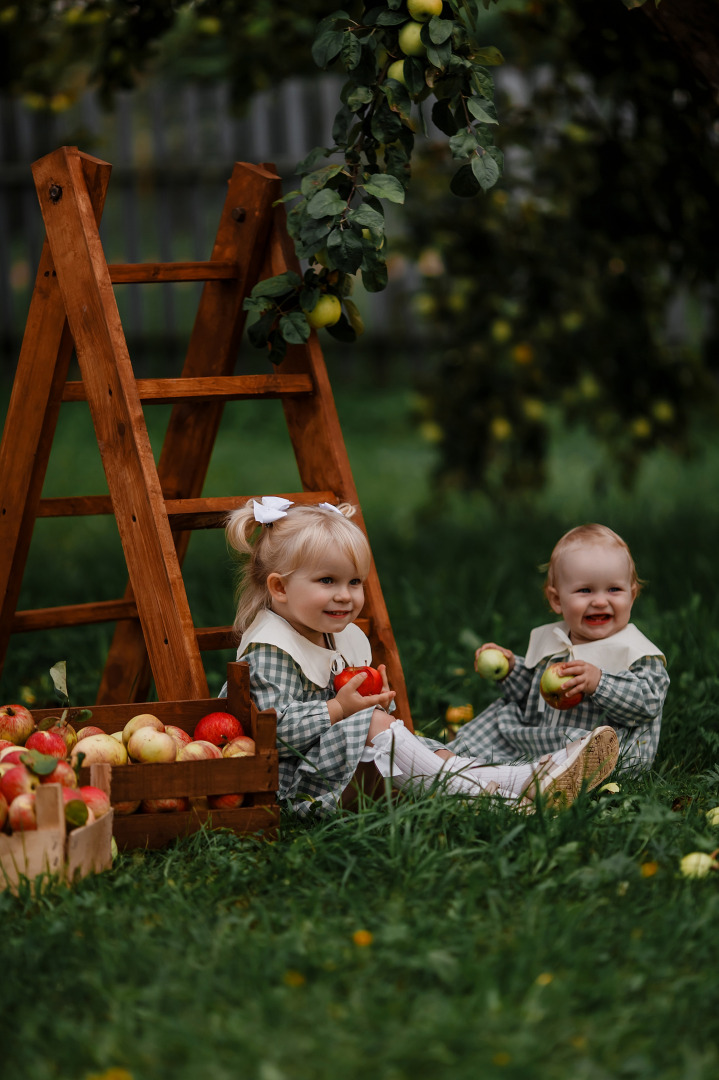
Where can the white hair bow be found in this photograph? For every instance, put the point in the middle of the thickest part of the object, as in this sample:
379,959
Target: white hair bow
330,506
270,509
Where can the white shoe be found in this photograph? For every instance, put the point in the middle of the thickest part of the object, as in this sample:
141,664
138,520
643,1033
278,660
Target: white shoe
589,761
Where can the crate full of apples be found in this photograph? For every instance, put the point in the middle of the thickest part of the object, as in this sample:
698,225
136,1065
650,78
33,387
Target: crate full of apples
176,765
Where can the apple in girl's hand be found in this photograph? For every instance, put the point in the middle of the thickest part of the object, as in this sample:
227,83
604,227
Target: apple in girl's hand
491,664
551,688
371,685
218,728
47,742
16,723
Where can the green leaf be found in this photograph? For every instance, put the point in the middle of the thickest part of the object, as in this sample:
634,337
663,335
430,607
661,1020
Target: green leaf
464,183
345,249
485,169
374,272
40,764
385,187
309,297
342,330
366,217
440,30
278,347
489,56
443,118
316,180
386,125
313,159
258,332
58,674
327,47
390,18
397,97
351,52
76,813
414,75
276,286
483,110
440,55
326,203
294,328
463,143
357,96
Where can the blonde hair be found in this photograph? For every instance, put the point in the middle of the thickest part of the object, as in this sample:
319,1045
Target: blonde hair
301,538
588,534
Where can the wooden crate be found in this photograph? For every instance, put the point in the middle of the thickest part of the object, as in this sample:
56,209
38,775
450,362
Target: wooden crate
51,850
256,777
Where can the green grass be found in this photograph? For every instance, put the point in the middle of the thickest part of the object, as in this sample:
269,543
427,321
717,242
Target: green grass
501,946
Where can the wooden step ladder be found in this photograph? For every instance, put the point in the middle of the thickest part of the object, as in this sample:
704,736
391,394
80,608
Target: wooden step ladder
73,307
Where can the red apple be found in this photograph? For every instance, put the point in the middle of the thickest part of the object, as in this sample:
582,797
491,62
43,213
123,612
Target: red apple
16,723
242,746
62,774
371,685
3,811
95,799
225,802
551,688
124,809
57,724
12,755
168,805
148,745
21,813
90,729
5,744
47,742
198,751
18,781
218,728
179,734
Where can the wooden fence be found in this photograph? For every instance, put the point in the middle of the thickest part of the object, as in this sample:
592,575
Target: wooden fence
172,150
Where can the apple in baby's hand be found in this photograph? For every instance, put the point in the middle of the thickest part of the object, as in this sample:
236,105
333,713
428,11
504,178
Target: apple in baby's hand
218,728
371,685
491,664
551,688
16,723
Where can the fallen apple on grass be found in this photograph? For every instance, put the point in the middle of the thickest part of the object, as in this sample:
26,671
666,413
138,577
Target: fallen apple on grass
368,688
491,664
551,687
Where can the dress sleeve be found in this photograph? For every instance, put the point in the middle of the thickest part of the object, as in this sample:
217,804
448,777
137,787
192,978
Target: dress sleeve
636,696
276,683
517,684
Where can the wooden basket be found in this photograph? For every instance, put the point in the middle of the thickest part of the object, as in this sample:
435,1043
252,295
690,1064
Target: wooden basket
256,777
52,851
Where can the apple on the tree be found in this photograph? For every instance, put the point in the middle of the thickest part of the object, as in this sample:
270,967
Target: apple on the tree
423,10
371,685
491,664
551,687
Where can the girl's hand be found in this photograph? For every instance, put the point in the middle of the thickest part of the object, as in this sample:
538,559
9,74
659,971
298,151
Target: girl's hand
351,701
500,648
585,677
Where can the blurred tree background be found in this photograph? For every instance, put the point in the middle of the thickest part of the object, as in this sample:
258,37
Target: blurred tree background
582,290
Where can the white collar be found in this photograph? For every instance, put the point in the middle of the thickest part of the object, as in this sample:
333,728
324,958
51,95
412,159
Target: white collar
352,649
612,654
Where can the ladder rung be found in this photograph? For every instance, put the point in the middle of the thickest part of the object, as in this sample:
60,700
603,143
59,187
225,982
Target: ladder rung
184,514
204,388
215,270
73,615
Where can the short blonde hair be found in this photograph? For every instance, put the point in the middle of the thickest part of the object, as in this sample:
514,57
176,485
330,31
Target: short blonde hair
588,534
301,538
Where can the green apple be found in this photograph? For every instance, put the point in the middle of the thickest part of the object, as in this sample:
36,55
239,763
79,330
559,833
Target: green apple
409,39
491,664
396,71
551,687
423,10
326,312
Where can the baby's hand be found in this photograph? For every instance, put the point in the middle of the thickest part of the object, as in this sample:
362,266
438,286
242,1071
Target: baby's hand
585,677
499,648
351,701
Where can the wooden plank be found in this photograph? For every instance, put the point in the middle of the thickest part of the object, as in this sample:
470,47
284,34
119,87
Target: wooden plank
214,776
322,458
228,387
32,414
206,513
158,830
193,426
27,855
99,611
116,410
144,273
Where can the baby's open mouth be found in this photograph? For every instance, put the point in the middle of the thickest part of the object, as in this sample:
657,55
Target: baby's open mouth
597,619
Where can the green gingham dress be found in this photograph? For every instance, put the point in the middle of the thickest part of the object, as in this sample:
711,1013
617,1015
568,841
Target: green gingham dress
290,674
630,698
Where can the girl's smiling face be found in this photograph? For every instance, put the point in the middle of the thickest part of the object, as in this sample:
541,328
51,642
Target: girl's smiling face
593,593
319,600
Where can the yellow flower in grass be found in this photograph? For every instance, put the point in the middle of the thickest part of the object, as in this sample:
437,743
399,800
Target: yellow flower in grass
648,869
544,978
362,938
293,978
459,714
501,1058
111,1074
